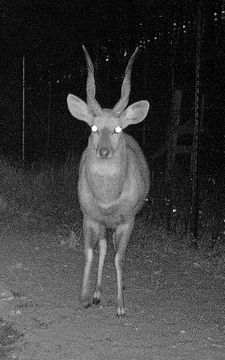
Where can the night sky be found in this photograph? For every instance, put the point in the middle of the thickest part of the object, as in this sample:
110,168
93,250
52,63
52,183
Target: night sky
49,35
54,29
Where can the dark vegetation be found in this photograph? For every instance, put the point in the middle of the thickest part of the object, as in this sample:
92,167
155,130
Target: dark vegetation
42,197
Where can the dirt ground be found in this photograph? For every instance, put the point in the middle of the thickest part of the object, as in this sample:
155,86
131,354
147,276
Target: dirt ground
175,301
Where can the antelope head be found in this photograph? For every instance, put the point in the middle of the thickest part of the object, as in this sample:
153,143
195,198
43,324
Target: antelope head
107,123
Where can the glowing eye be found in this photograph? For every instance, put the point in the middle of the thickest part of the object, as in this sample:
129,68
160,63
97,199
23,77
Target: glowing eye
118,129
94,128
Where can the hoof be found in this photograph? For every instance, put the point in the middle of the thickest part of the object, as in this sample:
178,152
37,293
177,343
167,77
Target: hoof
120,312
86,303
97,298
96,301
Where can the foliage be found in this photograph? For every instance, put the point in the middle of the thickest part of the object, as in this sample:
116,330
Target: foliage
43,195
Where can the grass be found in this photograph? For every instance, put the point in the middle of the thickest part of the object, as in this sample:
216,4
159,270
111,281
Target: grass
42,196
150,238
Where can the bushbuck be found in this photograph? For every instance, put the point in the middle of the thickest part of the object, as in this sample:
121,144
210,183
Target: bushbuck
113,178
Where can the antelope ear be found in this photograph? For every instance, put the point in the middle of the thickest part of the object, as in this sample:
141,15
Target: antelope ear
135,113
79,109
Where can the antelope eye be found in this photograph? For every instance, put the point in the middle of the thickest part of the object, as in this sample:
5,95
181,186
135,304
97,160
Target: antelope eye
117,129
94,128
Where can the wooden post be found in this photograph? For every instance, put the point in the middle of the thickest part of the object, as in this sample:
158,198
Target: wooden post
171,154
23,116
145,123
195,146
49,112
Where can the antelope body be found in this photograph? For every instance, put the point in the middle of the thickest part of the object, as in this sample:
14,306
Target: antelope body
113,179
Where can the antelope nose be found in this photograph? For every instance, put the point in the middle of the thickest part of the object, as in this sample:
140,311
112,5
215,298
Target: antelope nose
104,153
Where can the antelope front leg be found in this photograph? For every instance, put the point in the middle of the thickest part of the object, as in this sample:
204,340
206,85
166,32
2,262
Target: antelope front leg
102,248
92,232
121,239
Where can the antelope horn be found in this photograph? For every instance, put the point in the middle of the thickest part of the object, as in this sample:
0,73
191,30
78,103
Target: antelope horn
90,87
125,90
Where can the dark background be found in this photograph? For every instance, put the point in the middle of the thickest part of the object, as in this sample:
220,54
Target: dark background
49,34
47,37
